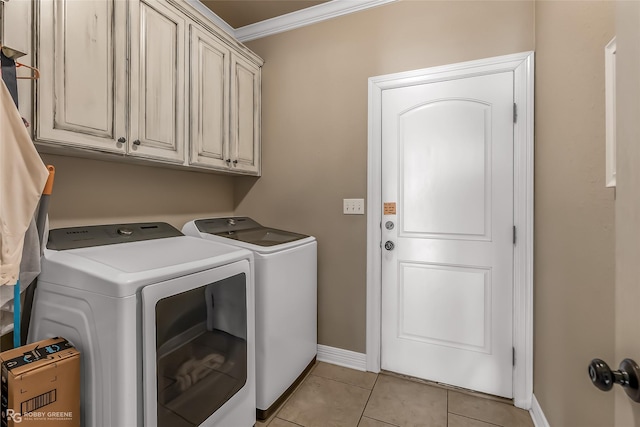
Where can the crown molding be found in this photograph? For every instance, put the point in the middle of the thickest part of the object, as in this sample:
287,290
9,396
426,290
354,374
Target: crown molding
304,17
204,10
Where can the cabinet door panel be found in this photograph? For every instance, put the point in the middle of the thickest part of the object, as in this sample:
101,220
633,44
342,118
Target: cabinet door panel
158,88
245,116
82,64
209,124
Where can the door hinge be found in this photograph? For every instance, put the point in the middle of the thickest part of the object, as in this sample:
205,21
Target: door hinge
515,112
513,356
514,234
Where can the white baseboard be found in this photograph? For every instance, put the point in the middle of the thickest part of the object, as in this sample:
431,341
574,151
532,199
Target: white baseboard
340,357
539,420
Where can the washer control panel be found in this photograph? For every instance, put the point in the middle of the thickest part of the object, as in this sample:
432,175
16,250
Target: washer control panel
99,235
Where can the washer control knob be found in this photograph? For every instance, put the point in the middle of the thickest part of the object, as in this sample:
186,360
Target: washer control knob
125,231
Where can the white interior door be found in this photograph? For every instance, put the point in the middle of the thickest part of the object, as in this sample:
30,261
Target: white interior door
447,189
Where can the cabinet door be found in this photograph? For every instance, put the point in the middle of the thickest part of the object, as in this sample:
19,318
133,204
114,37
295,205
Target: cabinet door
209,101
245,116
82,60
157,114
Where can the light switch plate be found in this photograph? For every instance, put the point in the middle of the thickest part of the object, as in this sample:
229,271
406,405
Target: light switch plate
353,206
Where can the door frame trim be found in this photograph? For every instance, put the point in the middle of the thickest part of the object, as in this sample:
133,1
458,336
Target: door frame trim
522,65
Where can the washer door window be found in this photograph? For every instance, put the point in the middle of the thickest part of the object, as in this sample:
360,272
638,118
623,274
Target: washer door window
199,349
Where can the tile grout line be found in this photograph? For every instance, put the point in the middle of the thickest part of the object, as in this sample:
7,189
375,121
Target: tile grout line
282,419
450,388
311,373
304,380
342,382
368,398
447,408
283,404
472,418
384,422
367,402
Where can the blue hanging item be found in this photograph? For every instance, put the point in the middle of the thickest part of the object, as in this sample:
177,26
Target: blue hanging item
16,314
9,77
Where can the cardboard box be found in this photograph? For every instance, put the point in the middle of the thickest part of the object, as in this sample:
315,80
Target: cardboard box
41,385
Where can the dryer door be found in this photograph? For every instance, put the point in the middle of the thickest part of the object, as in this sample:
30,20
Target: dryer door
198,346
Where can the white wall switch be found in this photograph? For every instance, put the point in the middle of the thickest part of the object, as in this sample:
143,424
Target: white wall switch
353,206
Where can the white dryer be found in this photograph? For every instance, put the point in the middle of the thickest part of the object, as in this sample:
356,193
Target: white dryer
286,301
164,323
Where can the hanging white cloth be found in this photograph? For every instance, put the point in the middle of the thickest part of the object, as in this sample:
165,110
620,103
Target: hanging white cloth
22,179
29,270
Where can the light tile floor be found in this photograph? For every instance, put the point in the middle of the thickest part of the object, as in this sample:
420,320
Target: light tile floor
332,396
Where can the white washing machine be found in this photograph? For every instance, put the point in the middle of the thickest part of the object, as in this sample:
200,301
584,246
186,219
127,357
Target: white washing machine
164,323
286,301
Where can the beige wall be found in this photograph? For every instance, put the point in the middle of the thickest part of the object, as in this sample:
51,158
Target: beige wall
627,413
88,192
314,112
314,155
574,212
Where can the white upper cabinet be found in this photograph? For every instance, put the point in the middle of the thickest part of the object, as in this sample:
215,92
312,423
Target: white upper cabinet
245,115
148,79
224,107
209,115
157,82
82,89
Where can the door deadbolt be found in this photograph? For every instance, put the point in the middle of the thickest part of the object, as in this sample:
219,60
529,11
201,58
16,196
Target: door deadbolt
389,225
388,245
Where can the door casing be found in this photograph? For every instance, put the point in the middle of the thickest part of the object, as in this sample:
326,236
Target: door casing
522,65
